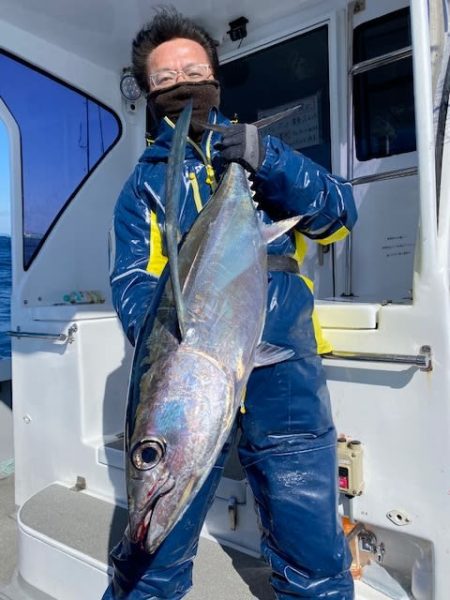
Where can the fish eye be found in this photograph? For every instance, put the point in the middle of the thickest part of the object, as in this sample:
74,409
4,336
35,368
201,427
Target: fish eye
148,453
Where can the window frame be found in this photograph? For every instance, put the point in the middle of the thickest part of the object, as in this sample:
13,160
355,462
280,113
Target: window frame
324,112
281,31
367,66
69,199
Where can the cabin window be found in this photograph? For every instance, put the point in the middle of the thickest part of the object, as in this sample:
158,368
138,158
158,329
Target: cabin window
383,88
293,72
5,245
64,135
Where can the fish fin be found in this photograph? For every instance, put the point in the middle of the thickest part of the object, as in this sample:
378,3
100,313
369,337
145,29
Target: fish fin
275,230
260,124
173,186
210,126
284,114
269,354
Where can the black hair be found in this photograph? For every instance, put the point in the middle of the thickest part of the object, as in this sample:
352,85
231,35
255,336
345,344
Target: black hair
167,25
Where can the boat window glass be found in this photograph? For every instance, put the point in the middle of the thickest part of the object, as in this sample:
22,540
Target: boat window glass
64,135
290,73
5,245
384,95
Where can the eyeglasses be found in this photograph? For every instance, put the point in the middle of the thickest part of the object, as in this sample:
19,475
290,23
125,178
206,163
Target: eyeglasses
166,77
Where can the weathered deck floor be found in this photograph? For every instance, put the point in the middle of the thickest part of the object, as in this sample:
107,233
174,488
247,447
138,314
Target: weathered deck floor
220,573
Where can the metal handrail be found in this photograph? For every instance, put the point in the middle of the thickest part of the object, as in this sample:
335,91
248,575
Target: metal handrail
422,360
51,337
406,172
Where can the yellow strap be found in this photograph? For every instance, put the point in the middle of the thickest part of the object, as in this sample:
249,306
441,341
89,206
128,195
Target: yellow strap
301,247
243,408
323,345
196,192
206,158
157,261
337,236
211,176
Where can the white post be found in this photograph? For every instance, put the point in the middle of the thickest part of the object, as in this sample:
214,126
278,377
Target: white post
427,246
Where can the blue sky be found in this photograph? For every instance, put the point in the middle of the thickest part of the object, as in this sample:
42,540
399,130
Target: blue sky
5,218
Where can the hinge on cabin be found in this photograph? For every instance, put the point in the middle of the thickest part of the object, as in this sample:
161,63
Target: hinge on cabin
359,6
80,484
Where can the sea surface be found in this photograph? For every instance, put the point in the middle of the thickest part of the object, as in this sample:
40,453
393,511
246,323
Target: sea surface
5,295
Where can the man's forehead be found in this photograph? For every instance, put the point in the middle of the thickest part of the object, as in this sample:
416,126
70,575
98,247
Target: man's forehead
175,52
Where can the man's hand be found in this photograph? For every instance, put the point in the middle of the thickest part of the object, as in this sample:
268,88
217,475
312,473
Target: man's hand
242,143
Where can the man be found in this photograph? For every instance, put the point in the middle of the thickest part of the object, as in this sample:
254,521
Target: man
288,442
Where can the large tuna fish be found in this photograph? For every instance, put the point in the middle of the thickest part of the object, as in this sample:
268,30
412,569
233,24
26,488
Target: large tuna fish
196,349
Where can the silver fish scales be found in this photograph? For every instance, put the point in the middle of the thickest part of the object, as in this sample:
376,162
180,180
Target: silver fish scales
195,354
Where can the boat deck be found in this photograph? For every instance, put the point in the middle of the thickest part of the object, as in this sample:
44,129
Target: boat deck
8,541
220,572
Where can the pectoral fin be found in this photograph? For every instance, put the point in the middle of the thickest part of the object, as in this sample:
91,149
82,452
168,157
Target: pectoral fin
269,354
275,230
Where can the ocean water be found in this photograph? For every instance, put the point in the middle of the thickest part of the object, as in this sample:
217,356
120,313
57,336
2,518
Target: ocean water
5,295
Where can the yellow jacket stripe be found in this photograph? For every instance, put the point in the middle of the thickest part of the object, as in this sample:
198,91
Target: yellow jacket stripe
337,236
301,247
323,345
157,261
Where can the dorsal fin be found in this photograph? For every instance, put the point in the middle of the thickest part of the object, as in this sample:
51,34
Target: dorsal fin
173,186
260,124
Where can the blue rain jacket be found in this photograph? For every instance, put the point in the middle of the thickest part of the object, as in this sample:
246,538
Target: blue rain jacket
287,184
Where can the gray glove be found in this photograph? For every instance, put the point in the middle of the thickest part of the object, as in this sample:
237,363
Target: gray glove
242,143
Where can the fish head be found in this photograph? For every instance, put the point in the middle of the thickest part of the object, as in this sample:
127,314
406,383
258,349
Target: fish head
148,479
186,424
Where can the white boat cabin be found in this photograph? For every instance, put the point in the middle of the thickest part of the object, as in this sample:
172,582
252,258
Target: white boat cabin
372,78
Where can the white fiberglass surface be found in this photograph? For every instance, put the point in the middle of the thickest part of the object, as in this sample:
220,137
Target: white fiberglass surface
102,30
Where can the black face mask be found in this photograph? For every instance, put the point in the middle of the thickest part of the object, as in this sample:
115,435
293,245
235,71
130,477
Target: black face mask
169,102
